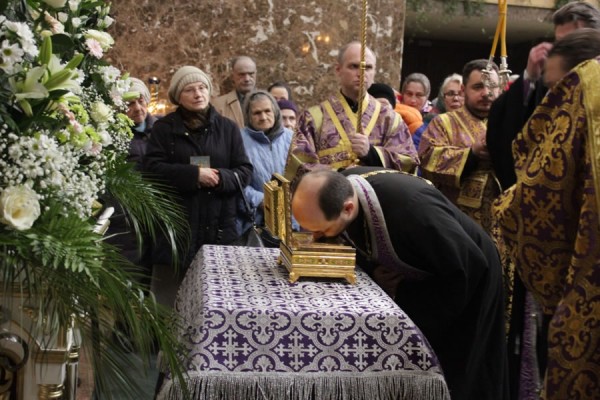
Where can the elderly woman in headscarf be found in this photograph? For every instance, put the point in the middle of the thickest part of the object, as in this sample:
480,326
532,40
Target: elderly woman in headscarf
197,151
415,92
267,143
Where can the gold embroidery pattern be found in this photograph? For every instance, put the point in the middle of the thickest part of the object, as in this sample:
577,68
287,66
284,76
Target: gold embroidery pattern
550,221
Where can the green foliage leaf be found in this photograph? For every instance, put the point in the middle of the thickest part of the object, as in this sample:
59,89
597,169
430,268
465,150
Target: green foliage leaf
3,5
72,275
62,44
149,206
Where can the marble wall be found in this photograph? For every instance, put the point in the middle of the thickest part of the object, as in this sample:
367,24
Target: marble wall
295,42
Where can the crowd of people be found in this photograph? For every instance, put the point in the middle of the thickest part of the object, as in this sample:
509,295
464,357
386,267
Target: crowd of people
477,211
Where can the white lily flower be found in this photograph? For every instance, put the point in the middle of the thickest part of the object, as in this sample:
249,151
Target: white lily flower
31,87
65,76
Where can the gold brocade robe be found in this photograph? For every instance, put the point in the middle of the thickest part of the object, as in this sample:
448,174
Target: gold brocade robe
444,151
551,225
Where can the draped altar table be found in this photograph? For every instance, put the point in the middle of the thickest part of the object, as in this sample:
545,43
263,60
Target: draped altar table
250,334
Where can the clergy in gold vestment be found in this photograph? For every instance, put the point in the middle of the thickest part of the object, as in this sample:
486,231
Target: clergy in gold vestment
551,224
327,133
453,151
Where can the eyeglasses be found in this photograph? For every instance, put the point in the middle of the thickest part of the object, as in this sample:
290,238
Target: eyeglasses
453,94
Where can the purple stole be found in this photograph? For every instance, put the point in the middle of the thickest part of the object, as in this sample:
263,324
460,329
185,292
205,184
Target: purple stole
383,252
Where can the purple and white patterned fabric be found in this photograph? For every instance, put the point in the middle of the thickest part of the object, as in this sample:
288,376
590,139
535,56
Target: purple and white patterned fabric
252,334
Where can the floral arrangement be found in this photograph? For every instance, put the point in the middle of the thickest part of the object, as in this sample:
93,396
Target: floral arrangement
64,139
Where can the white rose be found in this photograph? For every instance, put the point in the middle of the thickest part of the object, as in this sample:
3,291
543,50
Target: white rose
76,22
63,17
105,138
100,112
19,207
105,40
108,21
73,5
55,3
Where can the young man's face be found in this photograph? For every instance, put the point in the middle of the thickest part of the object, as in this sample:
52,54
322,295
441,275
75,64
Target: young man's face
477,99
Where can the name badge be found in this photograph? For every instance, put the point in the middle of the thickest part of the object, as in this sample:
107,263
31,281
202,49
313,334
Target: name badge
201,161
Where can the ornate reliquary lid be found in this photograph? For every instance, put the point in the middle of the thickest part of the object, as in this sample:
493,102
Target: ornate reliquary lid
300,254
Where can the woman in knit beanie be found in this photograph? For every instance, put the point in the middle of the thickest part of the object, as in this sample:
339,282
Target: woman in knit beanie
185,76
196,151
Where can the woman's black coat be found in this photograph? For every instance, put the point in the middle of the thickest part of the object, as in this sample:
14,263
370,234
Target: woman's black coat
211,212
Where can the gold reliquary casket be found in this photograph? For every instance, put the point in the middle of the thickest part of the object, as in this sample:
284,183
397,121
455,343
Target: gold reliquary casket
300,254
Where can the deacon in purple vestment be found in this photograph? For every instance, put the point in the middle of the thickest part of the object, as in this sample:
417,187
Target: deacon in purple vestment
327,133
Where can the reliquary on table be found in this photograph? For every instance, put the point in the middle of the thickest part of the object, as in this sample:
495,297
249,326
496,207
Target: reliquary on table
301,255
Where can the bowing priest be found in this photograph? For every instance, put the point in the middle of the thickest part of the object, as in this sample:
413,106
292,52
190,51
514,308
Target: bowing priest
327,134
451,283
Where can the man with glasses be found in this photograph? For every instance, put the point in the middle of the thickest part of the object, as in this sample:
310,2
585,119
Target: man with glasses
453,150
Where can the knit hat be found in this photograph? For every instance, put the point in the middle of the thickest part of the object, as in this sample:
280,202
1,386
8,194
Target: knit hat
137,85
185,76
381,90
287,105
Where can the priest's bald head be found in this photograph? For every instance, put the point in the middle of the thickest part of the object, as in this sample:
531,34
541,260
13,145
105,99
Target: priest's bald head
324,203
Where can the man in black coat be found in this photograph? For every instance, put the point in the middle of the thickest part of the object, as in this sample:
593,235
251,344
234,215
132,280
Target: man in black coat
451,276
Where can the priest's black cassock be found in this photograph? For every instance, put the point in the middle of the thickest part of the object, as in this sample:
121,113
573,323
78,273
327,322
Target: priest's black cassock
459,304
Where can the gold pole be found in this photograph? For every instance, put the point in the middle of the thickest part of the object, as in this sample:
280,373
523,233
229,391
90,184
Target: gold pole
363,66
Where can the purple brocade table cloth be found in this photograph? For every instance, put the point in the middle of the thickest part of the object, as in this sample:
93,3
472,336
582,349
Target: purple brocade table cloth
250,334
